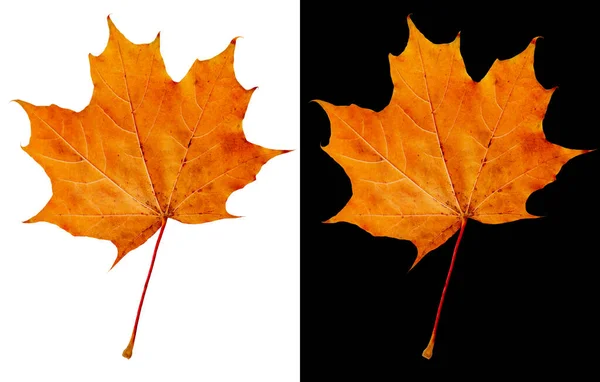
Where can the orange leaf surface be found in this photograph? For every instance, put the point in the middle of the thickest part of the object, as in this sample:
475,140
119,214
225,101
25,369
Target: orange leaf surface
146,148
446,148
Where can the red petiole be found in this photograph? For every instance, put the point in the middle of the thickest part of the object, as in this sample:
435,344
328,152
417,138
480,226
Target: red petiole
129,349
427,353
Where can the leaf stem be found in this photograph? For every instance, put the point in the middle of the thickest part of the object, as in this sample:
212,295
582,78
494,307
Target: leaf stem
428,352
129,349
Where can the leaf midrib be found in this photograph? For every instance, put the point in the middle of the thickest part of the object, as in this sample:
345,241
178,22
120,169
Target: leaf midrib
137,133
435,125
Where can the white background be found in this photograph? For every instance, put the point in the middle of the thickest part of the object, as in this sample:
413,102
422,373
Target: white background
223,301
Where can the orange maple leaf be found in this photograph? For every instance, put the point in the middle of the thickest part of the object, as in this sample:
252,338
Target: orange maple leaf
145,149
445,149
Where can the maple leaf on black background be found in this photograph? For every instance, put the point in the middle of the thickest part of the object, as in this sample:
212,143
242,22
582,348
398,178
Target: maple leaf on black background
521,294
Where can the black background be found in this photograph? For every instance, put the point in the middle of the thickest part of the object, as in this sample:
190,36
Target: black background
523,295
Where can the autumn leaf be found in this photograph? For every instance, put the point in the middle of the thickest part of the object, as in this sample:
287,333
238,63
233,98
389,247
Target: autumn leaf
145,149
446,149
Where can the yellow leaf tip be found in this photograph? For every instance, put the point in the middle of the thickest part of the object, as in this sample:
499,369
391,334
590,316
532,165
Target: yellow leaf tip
534,40
234,40
320,102
22,103
418,258
109,21
112,28
117,260
283,151
33,219
413,265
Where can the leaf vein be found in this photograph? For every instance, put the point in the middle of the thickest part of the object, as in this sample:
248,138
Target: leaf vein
215,178
93,165
394,166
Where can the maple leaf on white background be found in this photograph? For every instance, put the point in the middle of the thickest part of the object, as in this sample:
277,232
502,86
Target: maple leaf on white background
212,301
